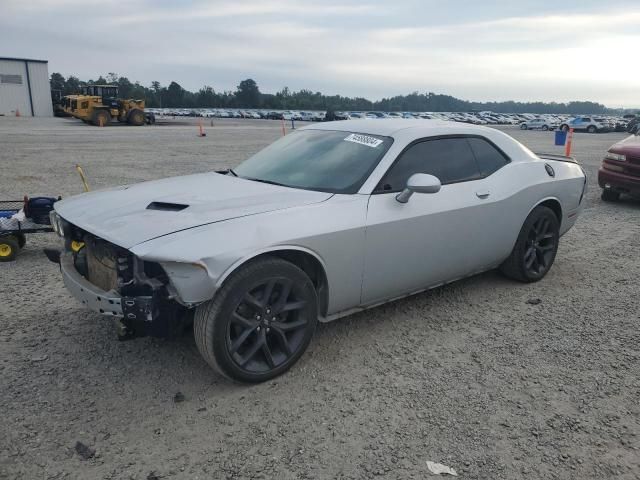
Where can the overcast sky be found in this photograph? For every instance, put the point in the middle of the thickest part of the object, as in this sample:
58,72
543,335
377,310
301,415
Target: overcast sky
476,50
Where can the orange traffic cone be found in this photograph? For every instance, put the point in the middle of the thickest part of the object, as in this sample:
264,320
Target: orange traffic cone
284,132
567,150
17,112
201,134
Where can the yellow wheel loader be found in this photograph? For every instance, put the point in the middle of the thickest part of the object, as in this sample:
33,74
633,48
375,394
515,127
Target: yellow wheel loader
99,105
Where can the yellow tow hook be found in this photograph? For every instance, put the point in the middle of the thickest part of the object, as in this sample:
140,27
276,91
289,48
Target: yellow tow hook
76,246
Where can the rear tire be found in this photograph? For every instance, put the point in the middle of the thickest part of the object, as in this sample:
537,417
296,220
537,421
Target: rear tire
545,128
536,247
136,118
609,195
592,129
523,127
8,248
564,127
259,323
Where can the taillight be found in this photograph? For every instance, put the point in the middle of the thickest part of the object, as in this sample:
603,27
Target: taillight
584,186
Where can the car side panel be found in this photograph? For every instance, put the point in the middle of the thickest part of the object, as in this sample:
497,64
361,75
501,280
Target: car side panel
515,190
433,238
333,231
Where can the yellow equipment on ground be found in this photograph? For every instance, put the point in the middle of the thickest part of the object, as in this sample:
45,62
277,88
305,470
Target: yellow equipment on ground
99,105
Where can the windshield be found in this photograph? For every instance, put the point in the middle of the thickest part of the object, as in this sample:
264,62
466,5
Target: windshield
323,160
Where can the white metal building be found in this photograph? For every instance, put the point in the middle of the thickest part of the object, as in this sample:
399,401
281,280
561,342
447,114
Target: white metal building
24,87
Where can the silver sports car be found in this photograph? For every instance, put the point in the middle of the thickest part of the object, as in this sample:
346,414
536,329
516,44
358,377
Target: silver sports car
329,220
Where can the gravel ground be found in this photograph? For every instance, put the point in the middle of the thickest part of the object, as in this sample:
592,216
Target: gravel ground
496,379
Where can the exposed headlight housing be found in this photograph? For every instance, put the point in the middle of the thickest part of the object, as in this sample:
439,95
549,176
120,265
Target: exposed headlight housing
616,156
56,223
53,218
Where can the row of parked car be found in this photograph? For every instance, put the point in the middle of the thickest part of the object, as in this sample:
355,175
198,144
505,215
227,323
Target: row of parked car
587,123
526,121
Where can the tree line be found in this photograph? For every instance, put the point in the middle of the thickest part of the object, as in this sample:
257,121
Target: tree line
248,95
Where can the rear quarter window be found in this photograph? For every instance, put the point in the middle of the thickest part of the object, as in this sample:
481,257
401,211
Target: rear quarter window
488,157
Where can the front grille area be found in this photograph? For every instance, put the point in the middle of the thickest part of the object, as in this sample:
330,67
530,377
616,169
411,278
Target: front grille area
633,160
141,288
110,267
101,264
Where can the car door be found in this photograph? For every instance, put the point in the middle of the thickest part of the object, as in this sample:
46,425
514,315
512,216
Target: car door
576,123
433,238
584,123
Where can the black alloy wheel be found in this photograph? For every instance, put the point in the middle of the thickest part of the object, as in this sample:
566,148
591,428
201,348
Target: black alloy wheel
541,247
259,323
267,327
536,247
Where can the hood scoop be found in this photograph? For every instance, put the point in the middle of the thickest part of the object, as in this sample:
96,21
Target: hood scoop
167,207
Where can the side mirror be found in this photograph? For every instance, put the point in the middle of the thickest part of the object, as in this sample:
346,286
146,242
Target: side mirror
419,183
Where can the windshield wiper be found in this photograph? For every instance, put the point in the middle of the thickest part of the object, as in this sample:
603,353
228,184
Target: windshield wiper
270,182
230,170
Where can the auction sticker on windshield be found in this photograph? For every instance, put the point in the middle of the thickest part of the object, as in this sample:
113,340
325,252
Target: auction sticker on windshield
372,142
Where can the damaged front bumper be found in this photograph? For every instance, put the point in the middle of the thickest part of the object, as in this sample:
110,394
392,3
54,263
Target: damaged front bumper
136,315
106,303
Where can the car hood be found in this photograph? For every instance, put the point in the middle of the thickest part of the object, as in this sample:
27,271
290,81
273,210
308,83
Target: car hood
630,146
132,214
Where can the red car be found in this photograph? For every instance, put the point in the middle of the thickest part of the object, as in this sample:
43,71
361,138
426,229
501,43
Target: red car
620,170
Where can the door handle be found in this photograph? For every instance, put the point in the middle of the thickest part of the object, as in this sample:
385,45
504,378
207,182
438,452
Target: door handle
483,194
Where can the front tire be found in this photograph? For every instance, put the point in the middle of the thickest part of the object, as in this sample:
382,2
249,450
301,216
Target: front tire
259,323
536,247
101,118
609,195
136,118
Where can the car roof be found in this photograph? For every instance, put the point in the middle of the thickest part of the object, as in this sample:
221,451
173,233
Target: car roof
389,127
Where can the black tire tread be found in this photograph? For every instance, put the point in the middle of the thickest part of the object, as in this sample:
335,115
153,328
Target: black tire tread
609,196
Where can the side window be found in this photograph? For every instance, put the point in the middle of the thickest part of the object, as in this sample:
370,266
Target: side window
449,159
489,158
586,119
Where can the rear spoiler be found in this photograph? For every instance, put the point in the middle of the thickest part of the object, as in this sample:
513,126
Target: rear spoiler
557,158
